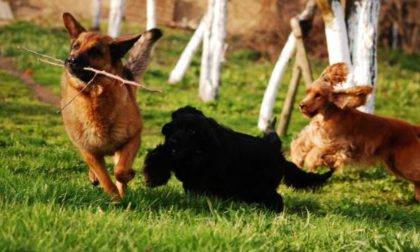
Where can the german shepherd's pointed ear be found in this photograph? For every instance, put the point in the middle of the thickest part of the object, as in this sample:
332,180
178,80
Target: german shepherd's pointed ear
73,27
335,73
120,46
351,97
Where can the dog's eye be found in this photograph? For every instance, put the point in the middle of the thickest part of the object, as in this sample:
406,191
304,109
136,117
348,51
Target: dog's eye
317,95
75,46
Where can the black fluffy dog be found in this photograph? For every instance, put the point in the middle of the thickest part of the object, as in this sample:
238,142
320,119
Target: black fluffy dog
211,159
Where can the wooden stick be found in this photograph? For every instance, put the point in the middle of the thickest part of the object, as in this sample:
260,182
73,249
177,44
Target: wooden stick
42,55
51,63
286,113
60,63
79,93
123,81
301,68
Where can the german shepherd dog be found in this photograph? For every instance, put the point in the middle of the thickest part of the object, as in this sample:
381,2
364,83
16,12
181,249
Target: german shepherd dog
105,119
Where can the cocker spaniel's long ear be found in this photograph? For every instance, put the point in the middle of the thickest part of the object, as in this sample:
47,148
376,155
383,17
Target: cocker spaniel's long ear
335,73
351,97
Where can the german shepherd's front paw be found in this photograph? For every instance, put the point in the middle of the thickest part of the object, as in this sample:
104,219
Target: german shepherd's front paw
93,179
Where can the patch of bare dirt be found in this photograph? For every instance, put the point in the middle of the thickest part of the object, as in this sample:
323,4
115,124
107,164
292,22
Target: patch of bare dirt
40,92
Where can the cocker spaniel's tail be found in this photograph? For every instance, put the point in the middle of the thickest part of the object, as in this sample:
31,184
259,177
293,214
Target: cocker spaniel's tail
299,179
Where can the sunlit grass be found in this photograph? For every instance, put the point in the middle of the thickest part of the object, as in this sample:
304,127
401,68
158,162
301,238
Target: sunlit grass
47,204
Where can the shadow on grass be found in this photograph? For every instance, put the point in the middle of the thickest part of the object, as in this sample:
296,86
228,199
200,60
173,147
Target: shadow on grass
171,199
380,212
301,206
29,109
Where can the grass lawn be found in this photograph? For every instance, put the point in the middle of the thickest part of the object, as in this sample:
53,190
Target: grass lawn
47,203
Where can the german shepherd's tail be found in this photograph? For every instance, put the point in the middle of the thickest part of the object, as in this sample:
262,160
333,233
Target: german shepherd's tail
140,54
299,179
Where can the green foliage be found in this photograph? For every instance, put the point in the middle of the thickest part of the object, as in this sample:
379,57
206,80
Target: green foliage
47,204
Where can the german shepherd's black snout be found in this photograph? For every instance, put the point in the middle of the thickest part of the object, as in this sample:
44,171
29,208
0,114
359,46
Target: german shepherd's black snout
76,65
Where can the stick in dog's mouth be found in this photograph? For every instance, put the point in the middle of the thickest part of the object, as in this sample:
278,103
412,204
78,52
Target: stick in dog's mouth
60,63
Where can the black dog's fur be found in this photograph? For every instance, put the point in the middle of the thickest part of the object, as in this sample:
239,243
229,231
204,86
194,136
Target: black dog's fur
211,159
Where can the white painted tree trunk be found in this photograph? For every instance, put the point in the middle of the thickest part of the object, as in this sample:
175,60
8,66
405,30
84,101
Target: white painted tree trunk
363,22
336,34
205,68
213,50
218,43
151,14
266,110
116,14
96,14
186,57
267,105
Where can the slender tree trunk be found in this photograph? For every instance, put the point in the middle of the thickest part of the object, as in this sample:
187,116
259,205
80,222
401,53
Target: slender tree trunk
218,44
116,14
213,50
96,14
151,14
205,69
185,60
267,105
363,23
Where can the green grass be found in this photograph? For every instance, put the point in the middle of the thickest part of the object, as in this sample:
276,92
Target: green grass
47,204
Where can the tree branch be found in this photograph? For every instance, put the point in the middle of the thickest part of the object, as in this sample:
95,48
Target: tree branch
60,63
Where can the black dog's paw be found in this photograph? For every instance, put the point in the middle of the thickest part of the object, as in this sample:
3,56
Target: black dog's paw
274,202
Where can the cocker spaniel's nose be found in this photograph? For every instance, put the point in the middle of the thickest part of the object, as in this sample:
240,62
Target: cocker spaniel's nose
302,105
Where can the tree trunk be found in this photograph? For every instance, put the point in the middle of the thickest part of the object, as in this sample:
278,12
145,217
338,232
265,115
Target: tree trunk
335,31
267,105
363,23
205,90
185,60
213,50
359,43
151,14
218,38
96,14
116,14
